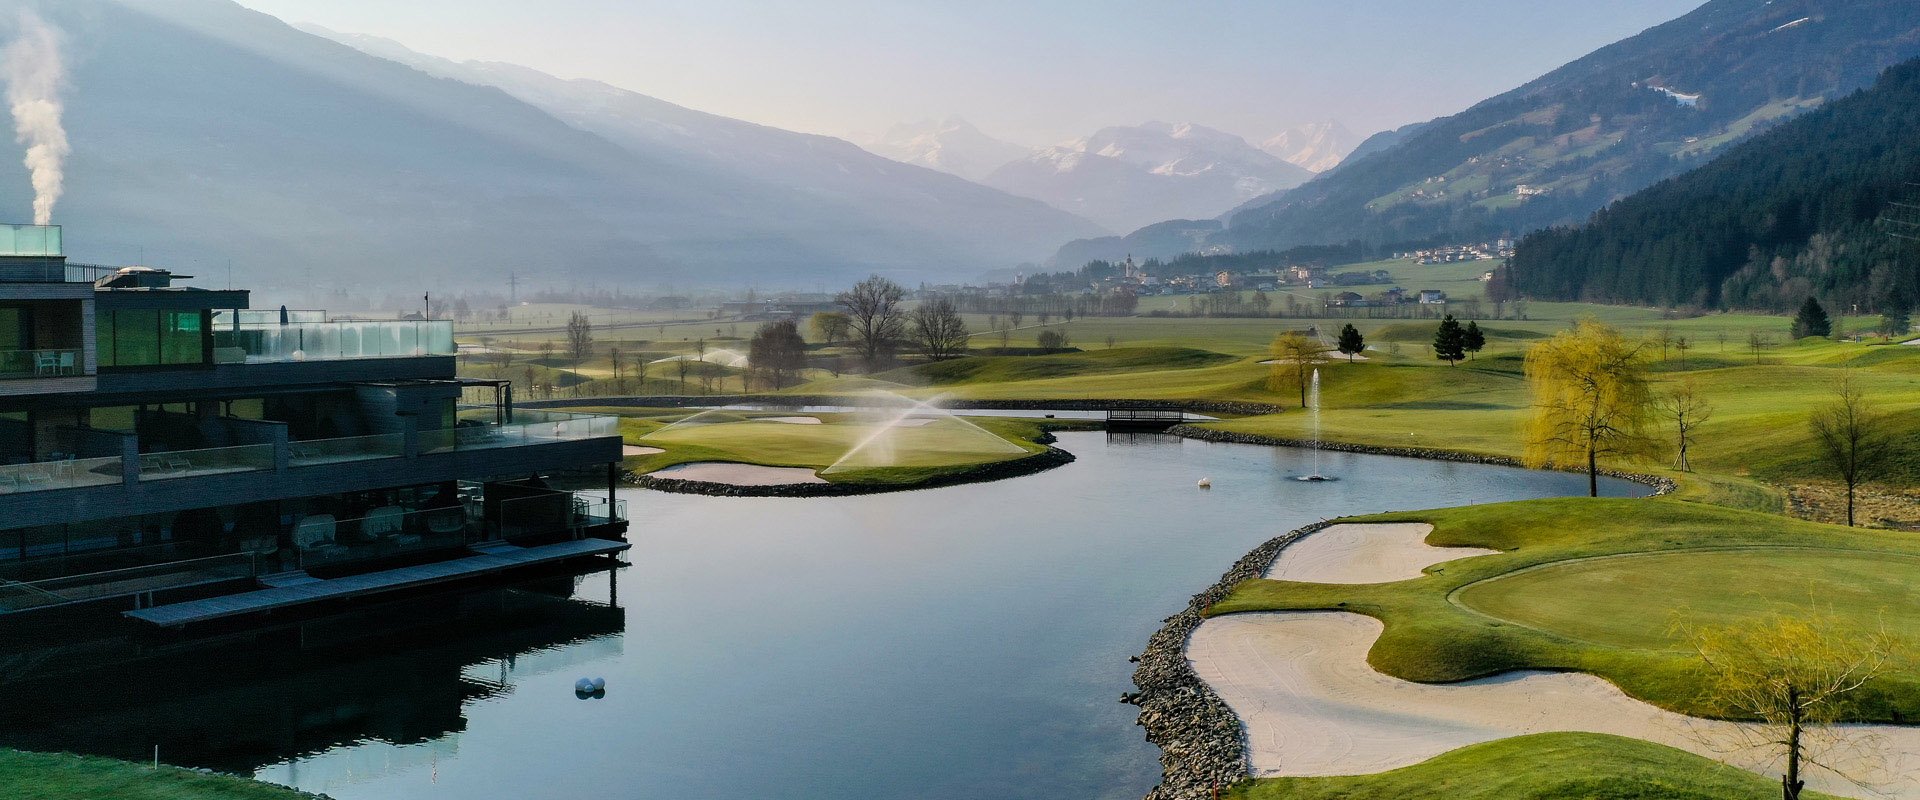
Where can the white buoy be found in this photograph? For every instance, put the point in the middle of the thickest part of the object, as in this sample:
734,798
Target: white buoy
583,686
599,684
1206,483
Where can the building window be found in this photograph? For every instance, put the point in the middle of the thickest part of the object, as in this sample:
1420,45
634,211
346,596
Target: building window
145,337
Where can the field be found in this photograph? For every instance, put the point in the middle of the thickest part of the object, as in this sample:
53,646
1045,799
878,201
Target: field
57,776
1547,766
1606,587
1610,587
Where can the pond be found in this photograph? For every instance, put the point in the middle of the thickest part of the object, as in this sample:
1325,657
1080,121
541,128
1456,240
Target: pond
961,642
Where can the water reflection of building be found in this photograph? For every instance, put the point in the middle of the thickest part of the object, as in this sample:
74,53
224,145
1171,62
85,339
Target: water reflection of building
400,673
169,451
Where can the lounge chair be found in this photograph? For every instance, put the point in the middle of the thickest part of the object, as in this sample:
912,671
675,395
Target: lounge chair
314,535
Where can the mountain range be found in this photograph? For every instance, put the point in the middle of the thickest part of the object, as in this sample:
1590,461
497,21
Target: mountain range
952,146
1564,145
203,132
1316,147
1124,177
1809,208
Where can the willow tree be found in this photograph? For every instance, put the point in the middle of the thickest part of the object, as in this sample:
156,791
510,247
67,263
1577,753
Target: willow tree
1591,400
1797,676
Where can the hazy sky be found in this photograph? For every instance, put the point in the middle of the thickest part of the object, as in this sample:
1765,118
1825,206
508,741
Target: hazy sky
1035,72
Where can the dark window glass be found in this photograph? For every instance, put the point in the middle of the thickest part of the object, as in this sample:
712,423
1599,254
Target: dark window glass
136,338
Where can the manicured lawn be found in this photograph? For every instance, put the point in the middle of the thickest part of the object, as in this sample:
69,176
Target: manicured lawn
895,455
1612,624
1646,595
58,776
1547,766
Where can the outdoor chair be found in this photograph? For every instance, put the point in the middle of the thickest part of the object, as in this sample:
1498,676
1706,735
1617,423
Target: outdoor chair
45,363
314,535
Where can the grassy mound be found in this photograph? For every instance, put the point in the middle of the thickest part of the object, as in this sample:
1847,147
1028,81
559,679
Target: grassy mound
896,457
59,776
1560,595
1546,766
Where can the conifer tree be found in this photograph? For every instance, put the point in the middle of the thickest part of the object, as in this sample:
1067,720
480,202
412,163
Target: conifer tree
1474,338
1351,342
1811,321
1450,341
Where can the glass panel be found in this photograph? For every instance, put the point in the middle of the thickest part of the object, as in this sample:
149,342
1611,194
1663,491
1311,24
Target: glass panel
180,338
211,461
30,240
314,341
136,338
313,452
65,474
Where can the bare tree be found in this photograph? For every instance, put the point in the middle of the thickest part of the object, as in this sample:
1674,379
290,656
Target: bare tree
1111,341
700,358
613,360
874,316
777,351
1757,341
1852,437
579,337
1688,410
1796,675
938,329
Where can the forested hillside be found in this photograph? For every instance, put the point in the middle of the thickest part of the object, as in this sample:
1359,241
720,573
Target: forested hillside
1557,149
1796,211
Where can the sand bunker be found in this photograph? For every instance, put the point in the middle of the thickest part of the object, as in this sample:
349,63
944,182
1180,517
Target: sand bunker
1379,552
790,420
638,450
737,474
1300,683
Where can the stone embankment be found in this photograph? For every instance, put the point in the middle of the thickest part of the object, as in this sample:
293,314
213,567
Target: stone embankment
1038,462
1202,747
1660,485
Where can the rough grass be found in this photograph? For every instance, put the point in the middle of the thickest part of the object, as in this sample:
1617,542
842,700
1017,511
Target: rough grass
1612,619
1545,766
59,776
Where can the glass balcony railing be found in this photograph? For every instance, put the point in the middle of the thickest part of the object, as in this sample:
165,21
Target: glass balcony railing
30,240
210,461
43,363
20,596
313,452
63,474
328,341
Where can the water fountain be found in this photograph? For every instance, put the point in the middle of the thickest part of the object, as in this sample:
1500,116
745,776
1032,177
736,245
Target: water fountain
876,449
1313,409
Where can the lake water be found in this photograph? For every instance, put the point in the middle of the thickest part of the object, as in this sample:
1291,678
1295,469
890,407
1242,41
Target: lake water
967,642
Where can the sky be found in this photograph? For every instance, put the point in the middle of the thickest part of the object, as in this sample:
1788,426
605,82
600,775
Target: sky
1035,72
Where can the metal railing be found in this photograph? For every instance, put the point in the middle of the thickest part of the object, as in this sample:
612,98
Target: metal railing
19,596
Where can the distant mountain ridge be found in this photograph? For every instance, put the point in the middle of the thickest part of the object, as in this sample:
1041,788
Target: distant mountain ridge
1556,149
1795,212
203,132
1316,147
952,146
1124,177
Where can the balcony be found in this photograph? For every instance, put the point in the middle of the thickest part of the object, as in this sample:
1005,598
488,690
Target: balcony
42,363
473,433
250,341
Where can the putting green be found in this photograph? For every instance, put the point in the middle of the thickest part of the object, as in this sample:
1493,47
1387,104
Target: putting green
1647,600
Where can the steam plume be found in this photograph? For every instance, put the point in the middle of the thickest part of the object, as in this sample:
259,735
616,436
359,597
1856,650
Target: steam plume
34,75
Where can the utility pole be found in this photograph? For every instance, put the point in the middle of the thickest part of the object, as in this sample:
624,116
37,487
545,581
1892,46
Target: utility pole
513,288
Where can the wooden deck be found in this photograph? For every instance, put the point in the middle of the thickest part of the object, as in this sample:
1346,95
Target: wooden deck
495,559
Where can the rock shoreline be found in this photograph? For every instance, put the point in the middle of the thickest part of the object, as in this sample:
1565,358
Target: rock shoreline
998,470
1660,485
1202,744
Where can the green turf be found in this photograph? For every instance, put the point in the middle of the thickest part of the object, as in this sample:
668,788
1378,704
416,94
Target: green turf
1610,617
1645,595
59,776
902,455
1546,766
